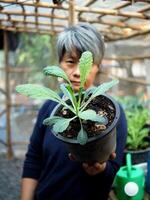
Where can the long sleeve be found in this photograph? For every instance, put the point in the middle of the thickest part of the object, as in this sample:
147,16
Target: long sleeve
33,162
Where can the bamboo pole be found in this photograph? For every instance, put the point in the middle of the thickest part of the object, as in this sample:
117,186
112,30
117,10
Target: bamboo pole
128,79
117,24
51,5
60,6
71,12
84,9
131,36
122,4
105,11
8,99
139,0
29,30
39,4
19,21
111,12
28,14
90,2
19,28
36,12
140,57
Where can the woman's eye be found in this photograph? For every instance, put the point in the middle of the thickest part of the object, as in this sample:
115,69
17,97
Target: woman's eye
70,61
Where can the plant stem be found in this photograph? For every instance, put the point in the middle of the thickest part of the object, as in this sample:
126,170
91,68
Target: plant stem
79,100
85,104
80,123
69,107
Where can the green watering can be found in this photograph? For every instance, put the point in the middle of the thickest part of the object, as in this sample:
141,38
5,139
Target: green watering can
129,182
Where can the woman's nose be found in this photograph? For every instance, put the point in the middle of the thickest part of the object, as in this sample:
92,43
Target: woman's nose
76,71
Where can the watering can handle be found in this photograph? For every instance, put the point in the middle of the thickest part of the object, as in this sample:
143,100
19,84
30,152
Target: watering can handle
129,164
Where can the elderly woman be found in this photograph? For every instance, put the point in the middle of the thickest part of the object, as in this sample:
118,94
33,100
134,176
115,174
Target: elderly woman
48,172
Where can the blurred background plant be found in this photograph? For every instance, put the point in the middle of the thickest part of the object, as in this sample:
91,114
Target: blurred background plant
138,116
34,53
137,132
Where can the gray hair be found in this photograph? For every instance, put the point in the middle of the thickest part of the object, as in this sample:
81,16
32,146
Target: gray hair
81,37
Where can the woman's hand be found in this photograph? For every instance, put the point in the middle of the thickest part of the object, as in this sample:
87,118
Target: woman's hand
95,168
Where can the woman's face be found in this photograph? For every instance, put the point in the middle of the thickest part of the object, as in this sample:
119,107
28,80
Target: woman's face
70,64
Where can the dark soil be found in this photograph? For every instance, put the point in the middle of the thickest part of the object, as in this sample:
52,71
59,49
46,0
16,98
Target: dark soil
103,107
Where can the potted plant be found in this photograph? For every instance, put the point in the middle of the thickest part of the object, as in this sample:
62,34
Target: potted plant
85,120
137,113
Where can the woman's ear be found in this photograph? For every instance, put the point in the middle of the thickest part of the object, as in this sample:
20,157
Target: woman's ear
97,77
99,68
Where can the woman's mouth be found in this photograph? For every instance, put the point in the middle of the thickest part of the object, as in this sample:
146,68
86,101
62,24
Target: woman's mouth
75,83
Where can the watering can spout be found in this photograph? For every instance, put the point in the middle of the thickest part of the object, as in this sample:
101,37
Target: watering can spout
129,165
131,188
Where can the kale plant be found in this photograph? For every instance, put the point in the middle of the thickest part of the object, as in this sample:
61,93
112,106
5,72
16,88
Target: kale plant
79,102
136,131
137,114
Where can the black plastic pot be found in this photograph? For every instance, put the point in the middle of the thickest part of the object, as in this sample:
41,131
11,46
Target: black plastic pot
148,137
97,148
138,156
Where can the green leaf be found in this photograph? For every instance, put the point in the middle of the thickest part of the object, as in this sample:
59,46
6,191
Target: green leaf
91,115
89,91
85,65
101,89
38,92
51,120
136,119
68,93
61,124
55,71
82,136
72,93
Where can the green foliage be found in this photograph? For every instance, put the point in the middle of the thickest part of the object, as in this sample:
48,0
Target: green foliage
82,136
137,113
85,65
34,52
77,102
68,92
101,89
38,92
51,120
91,115
136,131
62,124
55,71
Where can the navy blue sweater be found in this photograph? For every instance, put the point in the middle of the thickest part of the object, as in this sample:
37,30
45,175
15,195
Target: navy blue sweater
58,177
